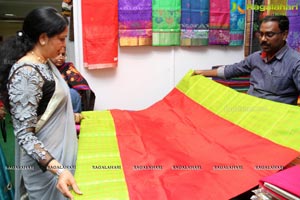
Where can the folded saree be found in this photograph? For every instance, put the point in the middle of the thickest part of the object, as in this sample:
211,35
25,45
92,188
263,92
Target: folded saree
285,183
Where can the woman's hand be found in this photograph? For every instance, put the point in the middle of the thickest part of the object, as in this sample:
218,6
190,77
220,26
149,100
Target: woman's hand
78,117
66,182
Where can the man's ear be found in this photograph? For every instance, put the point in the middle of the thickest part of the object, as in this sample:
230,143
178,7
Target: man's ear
285,34
43,39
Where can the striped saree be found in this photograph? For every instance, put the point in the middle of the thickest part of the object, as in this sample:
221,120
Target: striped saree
190,144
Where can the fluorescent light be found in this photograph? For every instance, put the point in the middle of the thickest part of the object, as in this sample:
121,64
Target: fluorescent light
9,15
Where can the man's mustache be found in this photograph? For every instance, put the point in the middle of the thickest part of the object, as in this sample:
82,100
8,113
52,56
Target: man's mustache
264,44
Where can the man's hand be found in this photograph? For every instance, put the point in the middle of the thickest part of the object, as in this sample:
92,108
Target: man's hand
197,72
207,73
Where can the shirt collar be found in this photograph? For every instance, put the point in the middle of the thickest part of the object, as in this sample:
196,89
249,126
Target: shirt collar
278,55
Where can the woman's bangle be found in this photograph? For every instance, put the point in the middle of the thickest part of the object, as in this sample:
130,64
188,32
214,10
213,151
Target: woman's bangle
60,171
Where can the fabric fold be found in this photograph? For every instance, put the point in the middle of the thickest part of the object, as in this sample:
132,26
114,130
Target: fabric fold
246,111
177,148
191,143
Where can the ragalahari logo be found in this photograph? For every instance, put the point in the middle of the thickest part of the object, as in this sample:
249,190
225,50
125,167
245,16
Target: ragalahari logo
271,7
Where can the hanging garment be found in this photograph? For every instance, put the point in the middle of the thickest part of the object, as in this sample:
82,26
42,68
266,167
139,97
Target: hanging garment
166,17
237,22
135,23
219,20
100,33
194,22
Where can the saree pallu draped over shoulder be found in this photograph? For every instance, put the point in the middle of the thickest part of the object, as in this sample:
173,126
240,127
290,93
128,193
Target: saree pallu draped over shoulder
56,130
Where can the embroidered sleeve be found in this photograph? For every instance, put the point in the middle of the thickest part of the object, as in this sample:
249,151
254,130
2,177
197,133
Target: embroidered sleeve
25,92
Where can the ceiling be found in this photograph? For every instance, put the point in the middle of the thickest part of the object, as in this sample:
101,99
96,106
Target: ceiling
11,10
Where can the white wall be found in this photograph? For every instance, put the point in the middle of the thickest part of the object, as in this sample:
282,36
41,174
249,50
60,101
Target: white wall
146,74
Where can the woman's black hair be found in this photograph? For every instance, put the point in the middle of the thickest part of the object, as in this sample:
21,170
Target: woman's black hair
40,20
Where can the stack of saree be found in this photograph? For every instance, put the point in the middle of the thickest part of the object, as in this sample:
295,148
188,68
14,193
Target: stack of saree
284,184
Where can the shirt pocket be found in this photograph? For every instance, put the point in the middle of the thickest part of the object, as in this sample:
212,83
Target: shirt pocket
279,83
